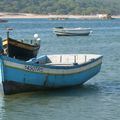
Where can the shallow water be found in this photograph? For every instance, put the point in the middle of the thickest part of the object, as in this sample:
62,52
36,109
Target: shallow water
99,98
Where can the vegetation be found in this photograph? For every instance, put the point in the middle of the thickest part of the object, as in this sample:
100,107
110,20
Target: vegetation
82,7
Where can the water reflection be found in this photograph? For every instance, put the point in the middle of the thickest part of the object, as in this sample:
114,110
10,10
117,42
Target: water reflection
58,103
43,104
2,105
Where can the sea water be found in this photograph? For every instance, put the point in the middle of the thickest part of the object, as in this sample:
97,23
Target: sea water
97,99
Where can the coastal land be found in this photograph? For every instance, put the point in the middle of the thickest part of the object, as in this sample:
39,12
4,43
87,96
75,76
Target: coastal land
30,15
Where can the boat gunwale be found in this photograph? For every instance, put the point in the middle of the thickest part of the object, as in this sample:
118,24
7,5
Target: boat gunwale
14,40
50,66
70,29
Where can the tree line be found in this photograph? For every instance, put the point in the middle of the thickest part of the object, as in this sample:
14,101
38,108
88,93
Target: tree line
82,7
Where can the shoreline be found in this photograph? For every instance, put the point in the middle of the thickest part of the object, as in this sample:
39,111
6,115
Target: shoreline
6,15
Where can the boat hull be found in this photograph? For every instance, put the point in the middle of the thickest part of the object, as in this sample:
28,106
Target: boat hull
72,32
22,53
18,77
12,87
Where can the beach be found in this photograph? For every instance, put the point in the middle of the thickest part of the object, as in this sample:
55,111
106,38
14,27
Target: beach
30,15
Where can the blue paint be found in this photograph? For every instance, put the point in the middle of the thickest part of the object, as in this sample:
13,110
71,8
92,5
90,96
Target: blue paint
47,80
52,80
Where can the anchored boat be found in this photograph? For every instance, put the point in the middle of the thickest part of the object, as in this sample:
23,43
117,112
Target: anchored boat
21,49
3,20
60,31
48,71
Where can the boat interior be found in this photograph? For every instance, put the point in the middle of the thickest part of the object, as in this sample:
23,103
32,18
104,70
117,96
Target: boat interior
65,59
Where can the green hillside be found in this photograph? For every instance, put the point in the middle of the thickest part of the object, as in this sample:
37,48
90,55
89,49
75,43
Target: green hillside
83,7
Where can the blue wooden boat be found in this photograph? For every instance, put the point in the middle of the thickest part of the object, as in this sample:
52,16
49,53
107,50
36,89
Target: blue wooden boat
48,71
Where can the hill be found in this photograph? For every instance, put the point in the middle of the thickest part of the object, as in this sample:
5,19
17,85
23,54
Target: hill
82,7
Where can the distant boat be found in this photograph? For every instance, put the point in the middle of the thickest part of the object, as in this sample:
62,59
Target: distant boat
60,31
57,18
21,49
48,72
3,20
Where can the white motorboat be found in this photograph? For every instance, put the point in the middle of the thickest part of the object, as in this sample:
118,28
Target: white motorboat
60,31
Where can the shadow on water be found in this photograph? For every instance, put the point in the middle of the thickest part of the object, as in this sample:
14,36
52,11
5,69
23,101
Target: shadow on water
77,91
83,90
17,103
70,91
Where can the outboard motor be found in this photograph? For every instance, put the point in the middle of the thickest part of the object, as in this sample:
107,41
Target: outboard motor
1,46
